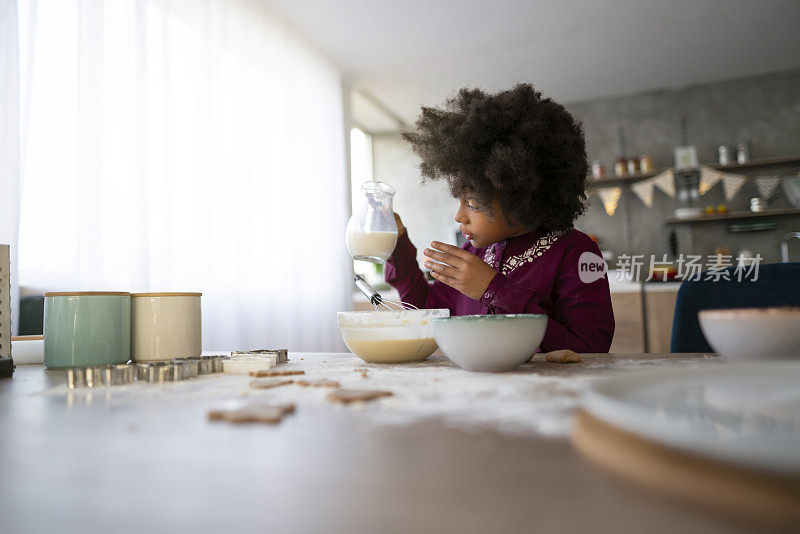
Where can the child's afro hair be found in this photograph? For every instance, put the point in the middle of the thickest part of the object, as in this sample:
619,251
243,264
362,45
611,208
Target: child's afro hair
514,147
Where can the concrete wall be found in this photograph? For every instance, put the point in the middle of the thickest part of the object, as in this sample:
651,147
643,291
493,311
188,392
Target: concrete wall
427,210
763,110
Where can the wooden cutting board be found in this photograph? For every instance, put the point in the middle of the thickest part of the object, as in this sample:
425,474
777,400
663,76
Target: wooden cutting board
730,489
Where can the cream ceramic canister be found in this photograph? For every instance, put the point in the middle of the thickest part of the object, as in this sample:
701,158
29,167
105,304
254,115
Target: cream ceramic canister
165,326
84,328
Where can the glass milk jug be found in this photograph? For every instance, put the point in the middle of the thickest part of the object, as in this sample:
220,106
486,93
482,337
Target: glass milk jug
371,231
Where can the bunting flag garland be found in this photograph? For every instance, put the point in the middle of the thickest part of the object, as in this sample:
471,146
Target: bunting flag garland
767,185
731,183
644,190
709,178
610,197
666,182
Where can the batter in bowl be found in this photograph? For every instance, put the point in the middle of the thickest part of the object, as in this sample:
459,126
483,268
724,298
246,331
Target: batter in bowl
391,350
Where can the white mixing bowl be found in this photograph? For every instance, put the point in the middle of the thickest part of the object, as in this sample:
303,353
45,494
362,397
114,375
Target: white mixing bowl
390,336
490,343
753,333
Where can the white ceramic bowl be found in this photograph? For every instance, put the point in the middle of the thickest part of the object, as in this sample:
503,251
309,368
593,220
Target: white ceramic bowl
753,333
490,343
390,336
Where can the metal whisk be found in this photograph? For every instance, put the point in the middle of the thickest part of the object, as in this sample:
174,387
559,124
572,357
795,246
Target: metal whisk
380,302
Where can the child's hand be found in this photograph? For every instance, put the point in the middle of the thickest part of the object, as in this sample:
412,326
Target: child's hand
400,228
464,271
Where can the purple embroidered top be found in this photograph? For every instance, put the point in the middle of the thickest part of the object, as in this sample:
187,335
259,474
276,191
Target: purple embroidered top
537,273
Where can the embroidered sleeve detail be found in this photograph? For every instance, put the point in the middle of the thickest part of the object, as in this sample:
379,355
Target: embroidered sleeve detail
540,247
488,256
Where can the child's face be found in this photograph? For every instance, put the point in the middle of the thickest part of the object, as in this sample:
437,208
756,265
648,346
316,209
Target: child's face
482,229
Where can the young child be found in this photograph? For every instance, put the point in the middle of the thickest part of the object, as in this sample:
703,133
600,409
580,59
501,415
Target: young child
516,162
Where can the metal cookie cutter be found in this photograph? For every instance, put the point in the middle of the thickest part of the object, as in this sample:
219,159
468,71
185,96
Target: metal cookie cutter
154,372
183,369
120,374
210,364
205,364
100,375
282,355
178,369
219,363
76,378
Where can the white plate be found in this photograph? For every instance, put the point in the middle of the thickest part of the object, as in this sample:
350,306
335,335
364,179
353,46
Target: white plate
745,413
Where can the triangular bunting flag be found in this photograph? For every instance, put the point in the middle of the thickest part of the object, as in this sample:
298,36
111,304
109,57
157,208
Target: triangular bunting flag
732,183
708,178
644,190
610,197
767,185
666,182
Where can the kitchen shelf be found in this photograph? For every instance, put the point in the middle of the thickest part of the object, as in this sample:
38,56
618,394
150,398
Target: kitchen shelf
763,162
608,181
732,216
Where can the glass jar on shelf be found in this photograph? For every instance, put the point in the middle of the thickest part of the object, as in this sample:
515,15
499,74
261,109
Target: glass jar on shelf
598,170
621,166
742,153
724,155
645,164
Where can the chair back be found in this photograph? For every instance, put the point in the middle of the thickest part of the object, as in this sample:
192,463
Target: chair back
774,284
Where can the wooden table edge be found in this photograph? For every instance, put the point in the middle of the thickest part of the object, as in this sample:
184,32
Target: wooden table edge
726,488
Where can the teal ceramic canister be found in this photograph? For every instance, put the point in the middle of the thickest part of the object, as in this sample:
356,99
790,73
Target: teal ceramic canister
86,328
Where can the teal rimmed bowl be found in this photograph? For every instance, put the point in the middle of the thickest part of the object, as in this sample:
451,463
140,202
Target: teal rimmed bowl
490,343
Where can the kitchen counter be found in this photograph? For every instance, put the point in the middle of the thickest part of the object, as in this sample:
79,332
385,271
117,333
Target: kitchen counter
616,285
450,451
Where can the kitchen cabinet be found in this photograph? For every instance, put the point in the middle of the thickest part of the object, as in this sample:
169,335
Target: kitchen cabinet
643,315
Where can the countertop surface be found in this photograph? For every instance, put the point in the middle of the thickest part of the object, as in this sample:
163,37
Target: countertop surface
450,451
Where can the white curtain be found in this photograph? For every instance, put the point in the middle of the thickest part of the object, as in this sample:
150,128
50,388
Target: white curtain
9,142
186,145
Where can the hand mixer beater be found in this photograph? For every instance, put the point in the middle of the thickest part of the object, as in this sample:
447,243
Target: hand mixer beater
380,302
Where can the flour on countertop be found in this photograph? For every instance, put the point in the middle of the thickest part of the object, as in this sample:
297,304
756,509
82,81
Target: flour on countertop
538,398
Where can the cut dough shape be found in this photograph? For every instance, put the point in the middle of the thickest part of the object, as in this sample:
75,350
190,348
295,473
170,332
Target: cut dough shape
267,414
346,396
267,383
244,366
217,414
261,374
360,370
287,408
562,356
318,383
